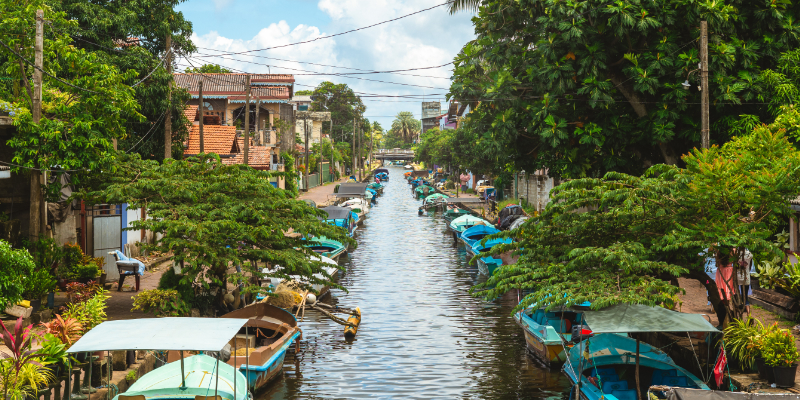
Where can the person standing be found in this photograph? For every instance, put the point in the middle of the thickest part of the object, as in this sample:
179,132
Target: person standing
743,275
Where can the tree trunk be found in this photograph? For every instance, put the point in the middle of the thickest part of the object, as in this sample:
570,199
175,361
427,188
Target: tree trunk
641,111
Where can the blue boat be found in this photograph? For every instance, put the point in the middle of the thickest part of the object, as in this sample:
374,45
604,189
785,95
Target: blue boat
464,222
382,174
488,264
605,361
474,234
548,334
326,247
343,217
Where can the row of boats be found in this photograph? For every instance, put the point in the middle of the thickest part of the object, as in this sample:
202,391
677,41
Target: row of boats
595,349
239,353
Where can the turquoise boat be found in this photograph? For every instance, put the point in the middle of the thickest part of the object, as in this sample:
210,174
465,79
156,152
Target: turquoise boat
453,213
548,335
326,247
424,191
472,235
487,265
274,330
191,377
342,217
464,222
611,367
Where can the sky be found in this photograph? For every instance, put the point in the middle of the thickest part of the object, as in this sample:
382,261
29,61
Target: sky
429,38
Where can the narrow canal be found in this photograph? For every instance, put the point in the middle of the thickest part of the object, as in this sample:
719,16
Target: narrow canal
422,335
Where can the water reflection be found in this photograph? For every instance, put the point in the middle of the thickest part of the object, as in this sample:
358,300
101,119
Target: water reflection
422,336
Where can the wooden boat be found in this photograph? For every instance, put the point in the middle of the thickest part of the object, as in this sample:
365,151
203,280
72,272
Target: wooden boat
376,187
464,222
359,206
342,217
273,330
424,191
455,212
548,334
322,289
186,375
382,174
474,234
487,265
327,247
604,362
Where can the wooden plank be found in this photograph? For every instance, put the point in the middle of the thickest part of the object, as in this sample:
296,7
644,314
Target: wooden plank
773,308
776,298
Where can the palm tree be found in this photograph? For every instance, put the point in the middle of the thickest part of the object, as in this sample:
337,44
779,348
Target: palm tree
464,5
406,126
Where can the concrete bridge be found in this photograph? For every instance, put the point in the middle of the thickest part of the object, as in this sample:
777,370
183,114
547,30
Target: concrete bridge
393,154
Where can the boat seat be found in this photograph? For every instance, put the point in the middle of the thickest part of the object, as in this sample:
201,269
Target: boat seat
134,397
677,381
541,319
561,325
200,397
624,394
608,387
660,374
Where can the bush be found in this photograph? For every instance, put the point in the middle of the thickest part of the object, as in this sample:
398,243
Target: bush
163,303
778,349
13,265
89,313
75,265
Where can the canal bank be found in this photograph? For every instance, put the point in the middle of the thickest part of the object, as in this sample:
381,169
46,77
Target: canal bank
422,334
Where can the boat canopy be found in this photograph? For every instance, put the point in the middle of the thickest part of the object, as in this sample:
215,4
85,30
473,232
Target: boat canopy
335,212
699,394
379,170
626,318
351,190
173,333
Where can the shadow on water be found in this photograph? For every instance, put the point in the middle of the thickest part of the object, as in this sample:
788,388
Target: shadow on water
423,336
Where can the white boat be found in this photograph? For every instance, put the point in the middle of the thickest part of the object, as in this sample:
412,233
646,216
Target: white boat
359,206
322,289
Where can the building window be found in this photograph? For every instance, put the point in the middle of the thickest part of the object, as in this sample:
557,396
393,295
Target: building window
207,106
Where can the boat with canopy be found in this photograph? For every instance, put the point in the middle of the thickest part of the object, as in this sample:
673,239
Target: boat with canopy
342,217
194,377
488,264
610,365
464,222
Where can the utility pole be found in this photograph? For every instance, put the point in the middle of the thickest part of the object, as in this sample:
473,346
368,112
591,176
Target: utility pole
38,223
330,162
371,146
705,140
247,123
258,132
168,121
305,132
200,96
354,146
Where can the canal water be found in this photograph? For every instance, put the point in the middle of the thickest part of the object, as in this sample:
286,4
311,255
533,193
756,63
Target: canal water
422,335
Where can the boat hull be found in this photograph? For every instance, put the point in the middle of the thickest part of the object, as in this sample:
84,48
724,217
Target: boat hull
261,375
487,265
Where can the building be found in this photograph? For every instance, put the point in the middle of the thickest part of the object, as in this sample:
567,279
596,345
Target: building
455,112
430,111
301,103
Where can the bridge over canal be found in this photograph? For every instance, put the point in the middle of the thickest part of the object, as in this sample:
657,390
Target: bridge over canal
393,154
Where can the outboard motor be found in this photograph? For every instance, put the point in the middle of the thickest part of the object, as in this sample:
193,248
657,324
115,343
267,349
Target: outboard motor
581,332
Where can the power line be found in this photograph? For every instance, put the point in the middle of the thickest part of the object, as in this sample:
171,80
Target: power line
341,33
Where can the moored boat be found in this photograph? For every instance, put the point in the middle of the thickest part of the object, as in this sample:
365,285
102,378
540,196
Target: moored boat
488,264
464,222
342,217
326,247
455,212
358,206
474,234
548,335
273,330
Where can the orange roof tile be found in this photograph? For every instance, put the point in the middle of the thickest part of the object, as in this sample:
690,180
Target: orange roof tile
218,139
191,113
259,157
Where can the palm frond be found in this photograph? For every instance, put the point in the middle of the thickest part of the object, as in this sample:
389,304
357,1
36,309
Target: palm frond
464,5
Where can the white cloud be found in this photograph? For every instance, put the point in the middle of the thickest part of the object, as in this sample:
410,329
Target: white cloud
426,39
222,4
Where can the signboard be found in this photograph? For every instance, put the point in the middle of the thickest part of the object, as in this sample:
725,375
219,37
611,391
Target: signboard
431,109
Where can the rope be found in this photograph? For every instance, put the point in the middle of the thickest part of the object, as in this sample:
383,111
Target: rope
699,367
727,366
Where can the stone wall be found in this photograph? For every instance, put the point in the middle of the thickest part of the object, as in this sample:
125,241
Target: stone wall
535,188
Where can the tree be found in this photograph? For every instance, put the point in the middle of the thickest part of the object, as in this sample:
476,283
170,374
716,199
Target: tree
213,216
86,102
304,93
209,69
624,239
406,127
131,35
343,105
591,86
377,134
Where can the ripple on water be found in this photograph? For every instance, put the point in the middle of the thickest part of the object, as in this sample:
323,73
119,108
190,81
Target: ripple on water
422,336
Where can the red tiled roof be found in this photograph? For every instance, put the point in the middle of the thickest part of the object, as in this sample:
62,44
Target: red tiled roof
191,113
218,139
299,148
259,157
233,85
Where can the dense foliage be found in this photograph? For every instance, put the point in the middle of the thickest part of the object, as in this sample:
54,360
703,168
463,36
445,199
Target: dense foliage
624,238
588,86
213,217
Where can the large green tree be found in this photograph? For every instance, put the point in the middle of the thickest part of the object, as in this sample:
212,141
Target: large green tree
406,127
132,36
213,216
343,104
587,86
624,239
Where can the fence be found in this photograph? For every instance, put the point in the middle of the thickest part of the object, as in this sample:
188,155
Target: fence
534,188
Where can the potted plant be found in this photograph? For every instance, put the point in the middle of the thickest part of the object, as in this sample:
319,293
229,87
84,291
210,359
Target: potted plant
37,285
53,353
77,267
780,353
742,337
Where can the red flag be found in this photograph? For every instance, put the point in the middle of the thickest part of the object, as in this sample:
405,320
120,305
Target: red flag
719,368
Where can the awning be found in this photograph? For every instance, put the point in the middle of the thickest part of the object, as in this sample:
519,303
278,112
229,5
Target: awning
626,318
335,212
206,334
699,394
351,190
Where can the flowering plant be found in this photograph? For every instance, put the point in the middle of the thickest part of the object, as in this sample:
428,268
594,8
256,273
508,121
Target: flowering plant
778,348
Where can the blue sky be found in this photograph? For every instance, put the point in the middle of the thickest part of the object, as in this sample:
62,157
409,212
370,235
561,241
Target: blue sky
427,39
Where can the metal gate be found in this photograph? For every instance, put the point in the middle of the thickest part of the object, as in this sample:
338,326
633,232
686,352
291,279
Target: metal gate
107,232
